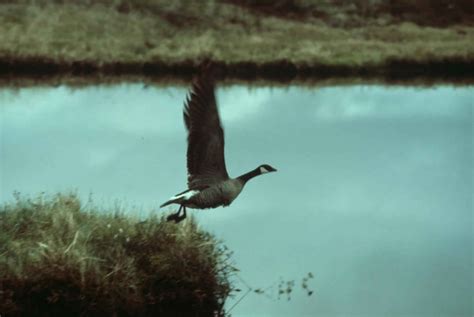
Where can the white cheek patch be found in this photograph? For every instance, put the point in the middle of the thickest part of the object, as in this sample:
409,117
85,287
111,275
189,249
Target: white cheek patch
263,170
186,195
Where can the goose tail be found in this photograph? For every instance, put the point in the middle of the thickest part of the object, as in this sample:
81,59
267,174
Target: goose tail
181,197
169,202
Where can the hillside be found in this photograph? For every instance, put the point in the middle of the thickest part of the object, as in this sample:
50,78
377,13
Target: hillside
61,258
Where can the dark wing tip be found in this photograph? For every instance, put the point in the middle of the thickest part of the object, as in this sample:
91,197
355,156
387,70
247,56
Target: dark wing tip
200,95
207,66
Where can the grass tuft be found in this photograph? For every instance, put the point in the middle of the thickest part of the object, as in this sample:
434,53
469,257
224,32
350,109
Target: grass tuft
57,258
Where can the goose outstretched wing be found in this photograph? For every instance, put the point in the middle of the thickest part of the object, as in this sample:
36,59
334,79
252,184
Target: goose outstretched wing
205,155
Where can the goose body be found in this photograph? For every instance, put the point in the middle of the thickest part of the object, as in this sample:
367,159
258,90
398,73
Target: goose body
221,194
209,185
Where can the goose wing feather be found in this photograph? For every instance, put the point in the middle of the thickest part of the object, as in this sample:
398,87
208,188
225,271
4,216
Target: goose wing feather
205,154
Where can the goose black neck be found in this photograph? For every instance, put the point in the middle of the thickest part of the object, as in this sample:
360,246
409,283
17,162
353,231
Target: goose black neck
245,177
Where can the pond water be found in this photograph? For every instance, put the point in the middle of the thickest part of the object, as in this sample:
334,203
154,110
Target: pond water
373,192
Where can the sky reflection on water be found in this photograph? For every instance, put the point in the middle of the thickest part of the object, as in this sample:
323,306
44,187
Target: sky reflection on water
373,192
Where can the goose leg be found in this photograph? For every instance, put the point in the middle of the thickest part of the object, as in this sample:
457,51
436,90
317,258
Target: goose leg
177,217
180,218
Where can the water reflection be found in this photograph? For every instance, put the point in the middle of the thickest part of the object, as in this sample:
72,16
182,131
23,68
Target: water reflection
373,193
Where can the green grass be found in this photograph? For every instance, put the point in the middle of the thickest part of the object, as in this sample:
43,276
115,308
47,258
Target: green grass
59,258
248,39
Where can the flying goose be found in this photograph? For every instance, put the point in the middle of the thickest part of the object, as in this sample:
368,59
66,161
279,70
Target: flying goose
209,185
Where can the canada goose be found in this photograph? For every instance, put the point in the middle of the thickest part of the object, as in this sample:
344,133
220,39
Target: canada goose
209,185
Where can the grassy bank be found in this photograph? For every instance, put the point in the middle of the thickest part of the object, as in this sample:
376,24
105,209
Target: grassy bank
276,40
58,259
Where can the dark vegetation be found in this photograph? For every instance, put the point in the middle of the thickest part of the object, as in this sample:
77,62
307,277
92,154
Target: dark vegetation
359,13
59,258
278,40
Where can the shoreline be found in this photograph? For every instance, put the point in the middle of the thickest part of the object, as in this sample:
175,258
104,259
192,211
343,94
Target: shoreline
46,71
282,42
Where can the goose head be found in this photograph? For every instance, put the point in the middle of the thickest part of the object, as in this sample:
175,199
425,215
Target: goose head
265,168
262,169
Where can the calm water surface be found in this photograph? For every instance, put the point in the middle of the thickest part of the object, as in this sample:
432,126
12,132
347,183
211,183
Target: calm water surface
373,192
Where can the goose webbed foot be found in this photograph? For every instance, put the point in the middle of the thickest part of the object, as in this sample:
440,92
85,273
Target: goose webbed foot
176,217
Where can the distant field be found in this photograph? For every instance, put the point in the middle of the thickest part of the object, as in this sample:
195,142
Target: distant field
249,39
